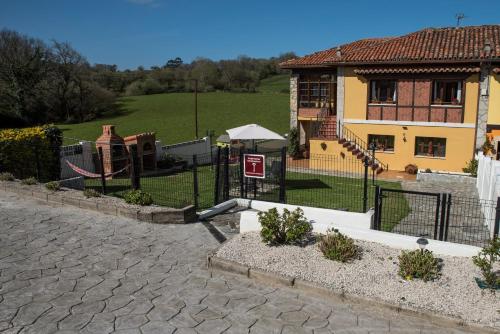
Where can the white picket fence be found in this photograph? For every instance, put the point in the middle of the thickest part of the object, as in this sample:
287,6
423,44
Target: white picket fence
488,186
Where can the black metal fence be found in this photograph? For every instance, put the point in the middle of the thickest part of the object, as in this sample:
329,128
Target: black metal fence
439,216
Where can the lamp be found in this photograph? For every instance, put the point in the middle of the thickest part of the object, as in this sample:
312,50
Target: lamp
422,243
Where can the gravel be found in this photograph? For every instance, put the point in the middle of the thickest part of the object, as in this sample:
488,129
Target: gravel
375,276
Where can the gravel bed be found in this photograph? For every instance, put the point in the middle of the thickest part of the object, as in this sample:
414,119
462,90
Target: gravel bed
375,276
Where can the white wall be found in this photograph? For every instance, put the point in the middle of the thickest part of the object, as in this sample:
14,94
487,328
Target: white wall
488,186
355,225
79,155
185,150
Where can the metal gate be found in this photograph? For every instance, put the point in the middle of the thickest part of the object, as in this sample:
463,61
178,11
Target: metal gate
231,182
411,212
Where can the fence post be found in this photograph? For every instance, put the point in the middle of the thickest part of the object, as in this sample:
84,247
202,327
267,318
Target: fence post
376,216
283,176
496,228
447,223
217,178
365,186
37,161
444,201
242,177
226,174
135,174
195,182
101,164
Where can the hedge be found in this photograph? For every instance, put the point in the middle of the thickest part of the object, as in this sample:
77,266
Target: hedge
31,152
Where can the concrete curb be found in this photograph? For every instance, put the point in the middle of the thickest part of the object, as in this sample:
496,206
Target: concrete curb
215,263
155,215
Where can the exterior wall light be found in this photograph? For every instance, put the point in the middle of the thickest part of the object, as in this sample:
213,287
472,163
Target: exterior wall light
422,243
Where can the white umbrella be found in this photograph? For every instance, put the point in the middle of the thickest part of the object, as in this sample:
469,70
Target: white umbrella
252,132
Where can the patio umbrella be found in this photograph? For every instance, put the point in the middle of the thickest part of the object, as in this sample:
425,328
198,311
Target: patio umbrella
252,132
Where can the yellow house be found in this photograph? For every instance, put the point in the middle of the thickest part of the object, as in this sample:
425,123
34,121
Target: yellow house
428,98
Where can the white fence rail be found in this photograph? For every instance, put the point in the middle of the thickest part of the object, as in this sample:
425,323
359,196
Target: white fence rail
488,185
186,150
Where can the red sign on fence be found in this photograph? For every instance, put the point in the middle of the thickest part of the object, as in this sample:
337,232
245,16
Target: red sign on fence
254,166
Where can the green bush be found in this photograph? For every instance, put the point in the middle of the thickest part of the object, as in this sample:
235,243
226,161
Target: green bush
418,264
53,186
6,176
294,144
485,260
29,181
91,193
471,167
138,197
338,247
31,151
288,228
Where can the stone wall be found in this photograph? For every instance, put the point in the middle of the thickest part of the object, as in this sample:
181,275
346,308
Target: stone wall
294,104
482,110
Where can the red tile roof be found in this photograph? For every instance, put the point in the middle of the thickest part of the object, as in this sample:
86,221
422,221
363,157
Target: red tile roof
420,69
427,45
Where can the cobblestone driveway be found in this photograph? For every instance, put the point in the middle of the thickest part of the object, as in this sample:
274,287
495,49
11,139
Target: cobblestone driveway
67,270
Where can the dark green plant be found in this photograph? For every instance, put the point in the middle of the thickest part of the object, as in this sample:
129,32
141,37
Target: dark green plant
294,144
288,228
53,186
471,167
338,247
418,264
29,181
6,176
486,259
91,193
138,197
428,170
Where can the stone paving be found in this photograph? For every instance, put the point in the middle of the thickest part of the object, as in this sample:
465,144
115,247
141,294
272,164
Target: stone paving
466,219
68,270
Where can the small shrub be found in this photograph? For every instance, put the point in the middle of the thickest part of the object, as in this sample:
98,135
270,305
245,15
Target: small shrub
53,186
294,143
138,197
418,264
428,170
411,169
6,176
29,181
471,167
338,247
288,228
91,193
486,259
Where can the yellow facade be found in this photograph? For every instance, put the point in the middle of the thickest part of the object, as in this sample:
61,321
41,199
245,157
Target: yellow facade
494,100
459,140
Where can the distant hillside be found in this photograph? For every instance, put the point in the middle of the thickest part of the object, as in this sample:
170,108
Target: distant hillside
275,84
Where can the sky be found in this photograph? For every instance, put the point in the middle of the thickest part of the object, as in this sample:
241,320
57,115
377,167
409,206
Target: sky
130,33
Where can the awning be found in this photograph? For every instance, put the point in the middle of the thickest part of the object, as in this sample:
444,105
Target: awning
252,132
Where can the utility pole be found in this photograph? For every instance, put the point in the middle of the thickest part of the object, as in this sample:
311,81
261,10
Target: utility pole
196,107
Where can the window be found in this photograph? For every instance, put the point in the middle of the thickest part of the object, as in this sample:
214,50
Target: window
382,142
383,91
447,92
431,147
317,91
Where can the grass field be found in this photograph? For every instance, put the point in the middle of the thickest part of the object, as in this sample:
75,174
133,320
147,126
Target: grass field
171,116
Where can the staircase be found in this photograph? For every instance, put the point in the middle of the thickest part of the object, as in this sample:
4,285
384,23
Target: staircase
326,129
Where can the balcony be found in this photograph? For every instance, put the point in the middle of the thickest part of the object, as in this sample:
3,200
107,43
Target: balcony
432,113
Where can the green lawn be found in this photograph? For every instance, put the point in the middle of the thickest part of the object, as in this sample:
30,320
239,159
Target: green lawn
324,191
171,116
275,84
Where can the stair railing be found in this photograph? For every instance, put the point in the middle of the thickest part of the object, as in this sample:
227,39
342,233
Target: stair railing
359,144
320,121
